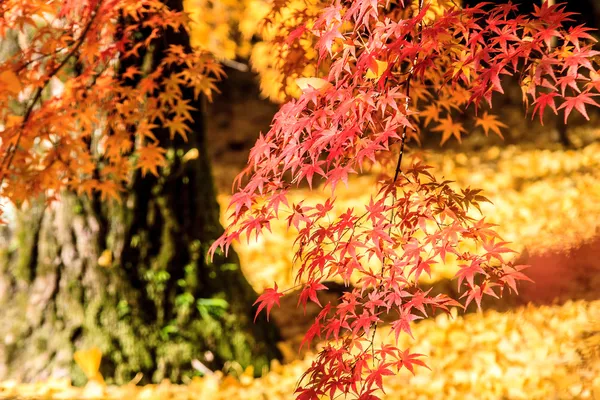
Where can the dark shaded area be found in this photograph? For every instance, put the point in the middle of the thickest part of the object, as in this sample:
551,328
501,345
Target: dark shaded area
588,10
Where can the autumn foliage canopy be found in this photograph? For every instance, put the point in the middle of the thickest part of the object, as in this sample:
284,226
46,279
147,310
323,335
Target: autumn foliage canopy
386,72
389,70
77,111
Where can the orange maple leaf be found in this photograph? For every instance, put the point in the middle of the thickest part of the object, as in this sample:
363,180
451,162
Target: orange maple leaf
151,157
489,122
431,113
449,128
178,126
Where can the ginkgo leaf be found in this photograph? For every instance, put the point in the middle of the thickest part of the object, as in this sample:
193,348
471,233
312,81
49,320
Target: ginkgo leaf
315,83
191,154
105,259
377,70
89,362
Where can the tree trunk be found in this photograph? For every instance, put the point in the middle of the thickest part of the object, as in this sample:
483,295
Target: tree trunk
129,278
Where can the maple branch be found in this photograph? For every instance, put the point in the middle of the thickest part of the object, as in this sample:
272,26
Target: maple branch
11,151
403,138
40,58
407,94
399,162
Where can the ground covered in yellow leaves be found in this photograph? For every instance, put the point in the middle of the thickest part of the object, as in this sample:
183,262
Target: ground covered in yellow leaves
542,352
547,202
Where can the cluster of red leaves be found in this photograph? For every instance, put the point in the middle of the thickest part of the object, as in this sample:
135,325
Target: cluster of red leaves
391,62
78,109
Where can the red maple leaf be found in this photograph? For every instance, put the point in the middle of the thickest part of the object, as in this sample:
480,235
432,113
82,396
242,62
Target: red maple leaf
407,360
544,100
270,297
310,292
578,102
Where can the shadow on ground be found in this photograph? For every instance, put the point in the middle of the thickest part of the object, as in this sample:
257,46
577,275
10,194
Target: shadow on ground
559,276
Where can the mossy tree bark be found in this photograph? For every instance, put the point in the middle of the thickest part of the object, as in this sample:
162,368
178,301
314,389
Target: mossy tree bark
154,303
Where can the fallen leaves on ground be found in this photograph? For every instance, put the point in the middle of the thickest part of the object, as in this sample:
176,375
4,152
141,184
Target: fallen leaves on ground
529,353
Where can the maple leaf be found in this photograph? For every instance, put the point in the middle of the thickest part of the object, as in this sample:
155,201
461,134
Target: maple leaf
150,158
431,113
182,110
269,298
145,129
468,272
109,190
408,359
449,128
402,324
296,33
490,122
178,126
310,292
512,274
578,102
477,291
307,394
131,72
376,375
462,67
544,100
575,33
314,330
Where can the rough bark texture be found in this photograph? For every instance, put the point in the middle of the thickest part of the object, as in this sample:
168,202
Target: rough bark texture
157,305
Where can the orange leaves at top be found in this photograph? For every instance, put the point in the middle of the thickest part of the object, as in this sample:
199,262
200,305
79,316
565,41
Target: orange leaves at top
91,109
